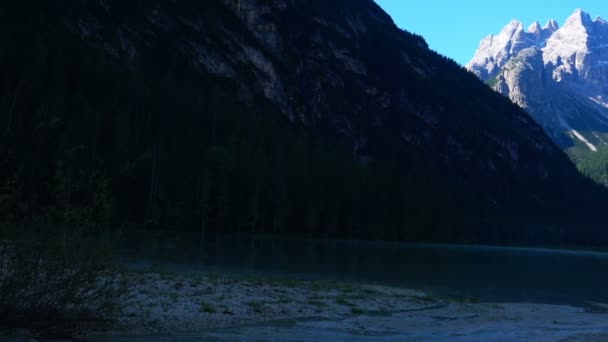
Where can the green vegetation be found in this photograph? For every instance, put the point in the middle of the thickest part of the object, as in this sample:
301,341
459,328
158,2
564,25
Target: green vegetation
368,291
316,302
343,301
87,140
284,300
595,165
90,139
207,308
97,140
154,145
357,311
56,283
256,306
492,82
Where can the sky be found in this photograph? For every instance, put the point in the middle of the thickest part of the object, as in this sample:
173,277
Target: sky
455,27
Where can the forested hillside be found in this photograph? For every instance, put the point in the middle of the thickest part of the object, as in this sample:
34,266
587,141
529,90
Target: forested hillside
292,117
596,166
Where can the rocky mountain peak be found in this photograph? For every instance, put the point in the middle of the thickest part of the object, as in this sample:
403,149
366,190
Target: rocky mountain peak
535,28
559,76
495,51
512,27
551,25
579,18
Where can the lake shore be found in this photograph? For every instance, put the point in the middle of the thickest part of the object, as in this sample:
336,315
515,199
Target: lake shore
159,302
166,306
233,308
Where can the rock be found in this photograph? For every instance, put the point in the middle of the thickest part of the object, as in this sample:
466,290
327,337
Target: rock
557,74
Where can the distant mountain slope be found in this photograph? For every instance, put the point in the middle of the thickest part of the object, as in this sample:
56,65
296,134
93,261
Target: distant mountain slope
284,116
558,74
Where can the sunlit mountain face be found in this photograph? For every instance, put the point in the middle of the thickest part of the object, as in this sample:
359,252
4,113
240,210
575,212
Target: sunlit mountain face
558,74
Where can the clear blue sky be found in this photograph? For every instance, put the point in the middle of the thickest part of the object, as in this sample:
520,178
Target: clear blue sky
455,27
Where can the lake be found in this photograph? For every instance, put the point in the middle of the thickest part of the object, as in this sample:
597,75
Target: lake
493,274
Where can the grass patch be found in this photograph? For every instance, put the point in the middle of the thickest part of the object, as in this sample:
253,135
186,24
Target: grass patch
357,311
207,308
284,300
256,306
348,289
55,280
343,301
368,291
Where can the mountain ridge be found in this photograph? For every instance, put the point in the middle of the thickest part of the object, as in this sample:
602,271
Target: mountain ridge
557,78
301,117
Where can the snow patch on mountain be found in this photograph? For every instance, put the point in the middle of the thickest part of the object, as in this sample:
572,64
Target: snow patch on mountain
585,141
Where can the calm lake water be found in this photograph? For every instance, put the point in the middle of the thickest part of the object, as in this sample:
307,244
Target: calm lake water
488,273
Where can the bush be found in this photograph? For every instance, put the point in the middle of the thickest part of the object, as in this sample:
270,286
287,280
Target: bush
56,284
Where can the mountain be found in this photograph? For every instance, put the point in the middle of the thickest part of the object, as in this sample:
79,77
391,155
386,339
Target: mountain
268,116
557,74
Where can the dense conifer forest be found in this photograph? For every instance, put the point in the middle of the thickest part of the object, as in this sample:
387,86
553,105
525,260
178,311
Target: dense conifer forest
87,139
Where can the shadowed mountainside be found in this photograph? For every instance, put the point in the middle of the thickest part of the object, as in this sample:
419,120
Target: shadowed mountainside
293,117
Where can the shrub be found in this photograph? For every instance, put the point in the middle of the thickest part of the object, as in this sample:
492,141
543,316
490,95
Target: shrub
56,284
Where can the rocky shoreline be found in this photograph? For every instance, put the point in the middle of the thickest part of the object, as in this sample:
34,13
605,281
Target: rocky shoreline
201,307
158,302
